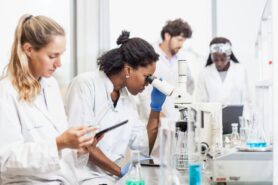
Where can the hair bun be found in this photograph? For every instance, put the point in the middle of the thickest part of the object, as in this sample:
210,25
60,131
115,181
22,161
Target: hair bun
123,38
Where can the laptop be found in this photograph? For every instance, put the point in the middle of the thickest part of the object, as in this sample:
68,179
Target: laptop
230,115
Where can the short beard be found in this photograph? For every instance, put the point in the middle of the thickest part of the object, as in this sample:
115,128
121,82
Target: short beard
174,52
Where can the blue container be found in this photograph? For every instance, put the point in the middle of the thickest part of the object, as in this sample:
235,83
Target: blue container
195,174
256,144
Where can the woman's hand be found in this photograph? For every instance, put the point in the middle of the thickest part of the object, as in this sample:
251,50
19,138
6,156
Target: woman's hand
157,100
86,149
76,138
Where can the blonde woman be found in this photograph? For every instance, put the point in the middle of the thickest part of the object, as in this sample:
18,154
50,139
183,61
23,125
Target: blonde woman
34,140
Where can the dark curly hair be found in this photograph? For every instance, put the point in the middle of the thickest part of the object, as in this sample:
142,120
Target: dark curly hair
133,51
177,27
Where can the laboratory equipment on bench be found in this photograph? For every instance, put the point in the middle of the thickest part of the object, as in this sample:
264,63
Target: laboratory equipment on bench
211,127
264,106
168,172
134,176
256,137
194,149
205,138
235,138
181,154
248,168
243,122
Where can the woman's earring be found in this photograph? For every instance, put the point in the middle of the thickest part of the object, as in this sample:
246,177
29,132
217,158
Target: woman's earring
126,76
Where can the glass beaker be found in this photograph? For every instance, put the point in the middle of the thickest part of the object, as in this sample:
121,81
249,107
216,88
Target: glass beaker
194,152
235,139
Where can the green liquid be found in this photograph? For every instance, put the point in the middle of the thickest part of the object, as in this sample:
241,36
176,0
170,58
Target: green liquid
135,182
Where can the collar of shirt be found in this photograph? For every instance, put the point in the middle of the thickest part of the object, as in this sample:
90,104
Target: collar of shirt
41,98
164,57
45,82
109,86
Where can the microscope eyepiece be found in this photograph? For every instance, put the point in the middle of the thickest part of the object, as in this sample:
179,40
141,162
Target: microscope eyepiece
149,79
160,84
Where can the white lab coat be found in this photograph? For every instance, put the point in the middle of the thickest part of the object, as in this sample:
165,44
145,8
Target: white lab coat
89,97
234,90
28,131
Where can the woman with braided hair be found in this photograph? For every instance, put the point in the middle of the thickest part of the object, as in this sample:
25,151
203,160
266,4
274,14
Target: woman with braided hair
109,92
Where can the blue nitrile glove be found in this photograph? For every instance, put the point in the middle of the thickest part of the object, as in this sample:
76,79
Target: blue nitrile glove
126,167
157,100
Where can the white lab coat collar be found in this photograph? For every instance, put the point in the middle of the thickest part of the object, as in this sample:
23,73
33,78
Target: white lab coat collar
108,83
163,56
49,114
109,86
44,82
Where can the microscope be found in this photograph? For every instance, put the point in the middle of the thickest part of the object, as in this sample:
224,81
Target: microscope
193,134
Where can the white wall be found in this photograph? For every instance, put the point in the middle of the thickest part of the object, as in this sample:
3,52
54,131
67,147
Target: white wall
10,12
275,87
239,21
87,34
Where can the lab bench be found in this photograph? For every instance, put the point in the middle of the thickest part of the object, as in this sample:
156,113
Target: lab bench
237,168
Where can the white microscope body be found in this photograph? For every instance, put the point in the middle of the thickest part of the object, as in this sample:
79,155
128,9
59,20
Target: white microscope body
180,94
208,119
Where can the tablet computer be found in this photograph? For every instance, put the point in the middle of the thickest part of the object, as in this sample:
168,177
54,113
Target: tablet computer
149,163
98,134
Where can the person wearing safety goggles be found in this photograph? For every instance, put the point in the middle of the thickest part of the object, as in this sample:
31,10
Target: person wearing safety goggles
223,80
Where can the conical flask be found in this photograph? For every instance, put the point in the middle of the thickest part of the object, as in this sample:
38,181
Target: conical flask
256,136
134,173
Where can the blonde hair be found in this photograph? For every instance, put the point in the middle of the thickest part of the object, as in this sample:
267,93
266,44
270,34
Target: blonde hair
38,31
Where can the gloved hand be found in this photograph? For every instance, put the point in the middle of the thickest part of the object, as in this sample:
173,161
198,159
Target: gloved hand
157,100
126,167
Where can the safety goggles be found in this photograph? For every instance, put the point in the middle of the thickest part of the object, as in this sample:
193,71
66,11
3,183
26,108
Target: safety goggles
221,48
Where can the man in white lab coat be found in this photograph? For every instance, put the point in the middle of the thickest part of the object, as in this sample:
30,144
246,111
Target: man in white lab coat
104,98
35,142
224,79
173,35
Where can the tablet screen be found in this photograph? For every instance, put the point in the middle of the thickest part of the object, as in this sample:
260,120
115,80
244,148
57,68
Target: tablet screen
98,134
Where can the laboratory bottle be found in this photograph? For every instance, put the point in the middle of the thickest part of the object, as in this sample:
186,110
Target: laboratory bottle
168,172
194,154
181,154
227,143
195,171
172,175
134,176
243,130
235,139
194,163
